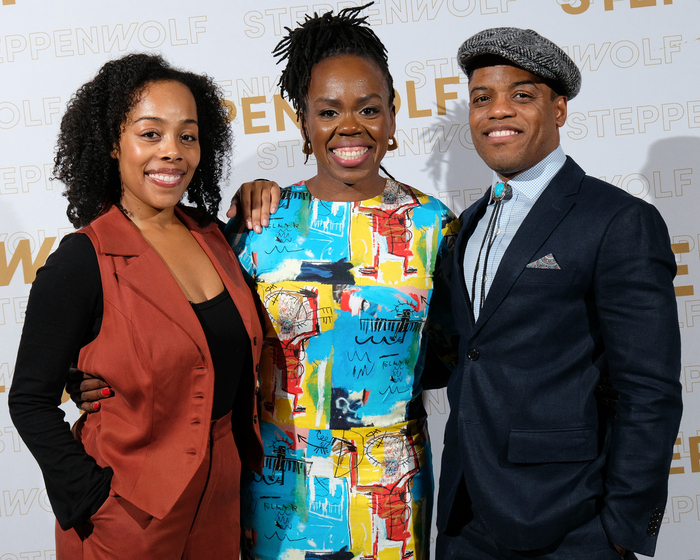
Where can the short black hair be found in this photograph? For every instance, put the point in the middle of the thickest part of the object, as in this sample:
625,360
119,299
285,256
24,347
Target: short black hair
93,122
321,37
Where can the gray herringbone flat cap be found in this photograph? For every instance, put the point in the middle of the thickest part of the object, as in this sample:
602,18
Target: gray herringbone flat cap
527,50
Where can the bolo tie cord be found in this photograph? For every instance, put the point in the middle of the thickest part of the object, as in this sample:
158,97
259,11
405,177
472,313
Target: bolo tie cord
501,192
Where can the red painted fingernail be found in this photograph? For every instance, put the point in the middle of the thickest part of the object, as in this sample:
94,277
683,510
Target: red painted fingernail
96,406
106,391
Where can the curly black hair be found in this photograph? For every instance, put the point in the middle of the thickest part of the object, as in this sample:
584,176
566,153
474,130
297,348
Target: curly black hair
321,37
92,125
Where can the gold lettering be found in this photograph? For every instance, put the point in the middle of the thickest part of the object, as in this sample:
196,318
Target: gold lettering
282,107
694,444
574,11
23,253
232,111
441,95
675,457
249,116
413,111
683,247
680,248
682,291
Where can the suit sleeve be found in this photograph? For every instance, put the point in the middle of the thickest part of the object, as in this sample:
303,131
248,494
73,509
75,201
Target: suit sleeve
637,311
443,340
61,315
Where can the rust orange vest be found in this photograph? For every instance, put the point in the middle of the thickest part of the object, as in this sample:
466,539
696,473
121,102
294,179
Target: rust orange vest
151,349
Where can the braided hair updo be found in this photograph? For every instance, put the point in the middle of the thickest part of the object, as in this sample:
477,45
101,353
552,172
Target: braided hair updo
321,37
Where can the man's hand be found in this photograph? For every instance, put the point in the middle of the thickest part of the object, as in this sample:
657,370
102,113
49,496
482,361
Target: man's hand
621,551
257,200
86,391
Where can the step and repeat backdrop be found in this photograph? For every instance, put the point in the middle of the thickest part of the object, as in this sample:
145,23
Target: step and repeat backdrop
635,124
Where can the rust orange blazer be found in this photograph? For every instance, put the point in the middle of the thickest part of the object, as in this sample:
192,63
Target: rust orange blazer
151,349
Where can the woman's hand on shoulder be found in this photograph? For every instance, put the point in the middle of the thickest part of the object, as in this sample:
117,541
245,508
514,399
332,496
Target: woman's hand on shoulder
256,200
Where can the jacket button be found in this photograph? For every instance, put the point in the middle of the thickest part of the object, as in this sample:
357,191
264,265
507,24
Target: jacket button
473,354
255,341
257,367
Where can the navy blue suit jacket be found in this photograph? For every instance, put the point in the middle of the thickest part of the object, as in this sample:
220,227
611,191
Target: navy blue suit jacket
526,448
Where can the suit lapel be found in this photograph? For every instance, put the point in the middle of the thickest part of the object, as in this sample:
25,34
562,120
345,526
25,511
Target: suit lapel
549,210
145,273
150,279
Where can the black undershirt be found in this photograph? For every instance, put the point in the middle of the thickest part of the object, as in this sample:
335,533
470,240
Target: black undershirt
228,344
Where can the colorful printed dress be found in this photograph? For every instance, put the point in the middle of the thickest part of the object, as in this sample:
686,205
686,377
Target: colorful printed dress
346,286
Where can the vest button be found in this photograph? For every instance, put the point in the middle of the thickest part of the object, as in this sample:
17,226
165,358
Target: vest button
473,355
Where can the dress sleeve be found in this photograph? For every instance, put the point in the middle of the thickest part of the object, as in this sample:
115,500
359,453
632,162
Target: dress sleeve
63,314
239,237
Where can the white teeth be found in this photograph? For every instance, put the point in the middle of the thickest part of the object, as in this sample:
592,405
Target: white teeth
350,153
164,177
503,133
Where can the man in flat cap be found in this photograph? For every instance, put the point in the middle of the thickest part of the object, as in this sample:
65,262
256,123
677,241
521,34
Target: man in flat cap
559,280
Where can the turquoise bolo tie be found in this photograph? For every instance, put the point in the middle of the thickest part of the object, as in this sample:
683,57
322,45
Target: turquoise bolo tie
501,192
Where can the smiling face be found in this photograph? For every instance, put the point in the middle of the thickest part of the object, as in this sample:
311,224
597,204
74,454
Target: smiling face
514,118
349,121
158,149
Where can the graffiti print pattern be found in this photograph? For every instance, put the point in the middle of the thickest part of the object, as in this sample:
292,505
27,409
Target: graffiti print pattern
347,287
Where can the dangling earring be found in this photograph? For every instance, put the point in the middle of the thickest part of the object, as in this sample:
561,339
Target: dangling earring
392,144
306,148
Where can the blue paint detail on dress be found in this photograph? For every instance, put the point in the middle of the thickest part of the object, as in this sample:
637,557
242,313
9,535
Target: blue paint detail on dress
347,288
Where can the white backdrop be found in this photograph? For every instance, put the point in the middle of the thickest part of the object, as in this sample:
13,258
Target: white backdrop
635,124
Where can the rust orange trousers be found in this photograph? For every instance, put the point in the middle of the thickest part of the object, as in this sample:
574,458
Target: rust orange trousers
204,523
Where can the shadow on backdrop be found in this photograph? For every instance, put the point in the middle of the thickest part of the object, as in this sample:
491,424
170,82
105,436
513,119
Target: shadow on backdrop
666,173
459,175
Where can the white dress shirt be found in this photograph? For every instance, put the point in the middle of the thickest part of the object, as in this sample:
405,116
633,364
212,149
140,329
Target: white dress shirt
527,188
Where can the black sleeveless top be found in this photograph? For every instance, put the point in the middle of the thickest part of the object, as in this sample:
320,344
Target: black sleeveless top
229,346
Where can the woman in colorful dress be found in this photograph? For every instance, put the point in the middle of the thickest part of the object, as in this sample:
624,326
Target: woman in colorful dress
346,270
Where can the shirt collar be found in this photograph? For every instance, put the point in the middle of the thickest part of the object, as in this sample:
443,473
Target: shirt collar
532,182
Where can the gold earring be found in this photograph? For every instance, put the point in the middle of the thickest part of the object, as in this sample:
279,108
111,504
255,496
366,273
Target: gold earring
392,144
306,148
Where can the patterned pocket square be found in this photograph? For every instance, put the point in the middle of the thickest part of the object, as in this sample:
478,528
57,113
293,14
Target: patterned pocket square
545,262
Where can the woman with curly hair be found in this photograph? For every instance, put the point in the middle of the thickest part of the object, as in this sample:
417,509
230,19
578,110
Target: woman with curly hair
149,296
